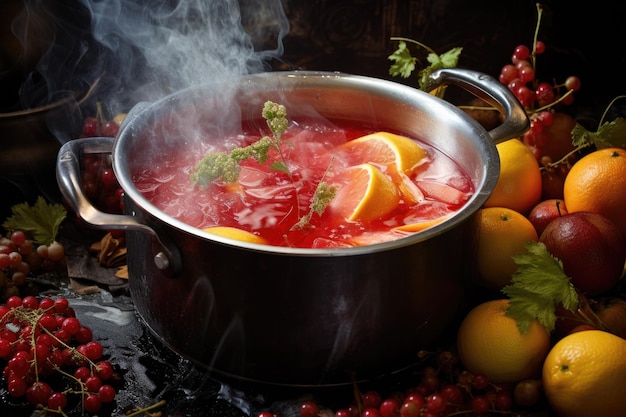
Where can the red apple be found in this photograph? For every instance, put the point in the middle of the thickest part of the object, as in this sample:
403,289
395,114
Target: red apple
591,249
546,211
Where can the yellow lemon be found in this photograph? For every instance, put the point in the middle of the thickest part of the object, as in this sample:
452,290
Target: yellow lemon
584,375
489,342
519,184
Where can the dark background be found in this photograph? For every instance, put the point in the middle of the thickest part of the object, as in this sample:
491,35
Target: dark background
351,36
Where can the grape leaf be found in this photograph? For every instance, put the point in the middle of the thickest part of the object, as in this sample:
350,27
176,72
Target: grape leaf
537,287
608,135
42,220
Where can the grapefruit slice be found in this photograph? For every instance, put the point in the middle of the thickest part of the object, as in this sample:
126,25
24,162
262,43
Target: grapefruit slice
235,233
383,148
365,194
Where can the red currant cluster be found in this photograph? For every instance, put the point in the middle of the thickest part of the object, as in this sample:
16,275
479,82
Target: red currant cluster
99,182
42,340
19,257
443,389
539,98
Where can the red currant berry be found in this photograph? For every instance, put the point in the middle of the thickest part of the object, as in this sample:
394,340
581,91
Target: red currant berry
82,373
93,350
372,399
480,381
390,407
71,325
480,404
370,412
104,370
93,384
14,301
452,393
84,335
106,393
57,401
572,83
38,393
5,349
92,403
521,52
17,387
48,322
436,403
526,73
60,305
18,237
90,127
110,128
46,303
308,409
540,47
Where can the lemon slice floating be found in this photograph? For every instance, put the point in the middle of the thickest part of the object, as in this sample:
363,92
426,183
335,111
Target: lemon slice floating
384,148
235,233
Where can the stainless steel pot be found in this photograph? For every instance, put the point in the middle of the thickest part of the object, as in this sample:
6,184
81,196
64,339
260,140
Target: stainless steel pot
287,316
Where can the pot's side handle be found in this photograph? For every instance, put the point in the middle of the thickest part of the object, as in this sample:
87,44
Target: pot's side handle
68,178
486,87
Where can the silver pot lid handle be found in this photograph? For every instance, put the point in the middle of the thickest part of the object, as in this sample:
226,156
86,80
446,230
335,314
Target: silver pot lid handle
492,91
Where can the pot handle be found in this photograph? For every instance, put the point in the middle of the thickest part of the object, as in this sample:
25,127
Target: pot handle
166,257
486,87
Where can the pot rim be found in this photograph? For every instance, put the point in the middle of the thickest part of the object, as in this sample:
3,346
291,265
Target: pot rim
389,89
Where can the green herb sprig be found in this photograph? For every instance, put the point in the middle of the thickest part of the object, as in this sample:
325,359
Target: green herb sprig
225,165
404,63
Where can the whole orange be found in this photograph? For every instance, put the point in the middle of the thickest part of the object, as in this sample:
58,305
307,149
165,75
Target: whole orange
489,342
583,375
503,233
597,183
519,183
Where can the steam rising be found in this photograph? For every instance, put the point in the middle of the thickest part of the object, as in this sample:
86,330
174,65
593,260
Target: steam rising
135,50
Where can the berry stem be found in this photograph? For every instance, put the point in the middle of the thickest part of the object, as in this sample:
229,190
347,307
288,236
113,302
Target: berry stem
146,409
533,54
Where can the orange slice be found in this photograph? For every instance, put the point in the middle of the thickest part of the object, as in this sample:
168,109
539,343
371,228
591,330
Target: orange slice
366,194
384,148
235,233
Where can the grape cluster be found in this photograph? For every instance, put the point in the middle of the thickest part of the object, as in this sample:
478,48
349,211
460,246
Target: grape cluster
443,388
20,256
98,179
539,98
50,359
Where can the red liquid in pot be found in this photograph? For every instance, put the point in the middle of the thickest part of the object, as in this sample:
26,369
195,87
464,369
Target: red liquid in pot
264,201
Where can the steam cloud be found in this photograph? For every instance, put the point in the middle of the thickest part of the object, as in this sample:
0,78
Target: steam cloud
141,51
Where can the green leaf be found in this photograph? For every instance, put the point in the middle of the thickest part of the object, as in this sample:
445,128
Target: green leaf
450,59
279,166
609,135
42,220
537,287
404,63
446,60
